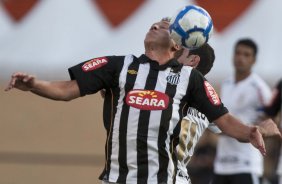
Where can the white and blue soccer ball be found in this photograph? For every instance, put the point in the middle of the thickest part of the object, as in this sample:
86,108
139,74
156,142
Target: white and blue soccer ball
191,27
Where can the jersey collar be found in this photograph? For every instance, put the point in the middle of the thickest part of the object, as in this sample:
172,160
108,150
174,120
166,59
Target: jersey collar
171,63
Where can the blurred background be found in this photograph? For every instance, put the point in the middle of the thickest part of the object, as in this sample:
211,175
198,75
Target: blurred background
43,141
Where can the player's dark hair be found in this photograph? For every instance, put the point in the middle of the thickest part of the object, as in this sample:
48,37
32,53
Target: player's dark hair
248,42
207,57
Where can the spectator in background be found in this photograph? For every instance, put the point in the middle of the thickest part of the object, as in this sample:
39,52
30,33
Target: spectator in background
244,94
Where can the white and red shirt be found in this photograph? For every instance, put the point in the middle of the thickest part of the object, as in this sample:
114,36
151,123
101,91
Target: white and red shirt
245,100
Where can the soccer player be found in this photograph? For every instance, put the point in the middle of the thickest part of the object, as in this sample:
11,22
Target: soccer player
193,125
202,59
144,100
244,94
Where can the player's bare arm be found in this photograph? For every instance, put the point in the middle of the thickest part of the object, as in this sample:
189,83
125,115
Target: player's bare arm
57,90
234,128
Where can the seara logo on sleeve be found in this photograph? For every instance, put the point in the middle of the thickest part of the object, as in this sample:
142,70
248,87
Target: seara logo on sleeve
94,64
211,94
147,100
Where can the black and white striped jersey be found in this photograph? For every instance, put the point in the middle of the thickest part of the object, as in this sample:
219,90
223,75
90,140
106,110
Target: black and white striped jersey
144,103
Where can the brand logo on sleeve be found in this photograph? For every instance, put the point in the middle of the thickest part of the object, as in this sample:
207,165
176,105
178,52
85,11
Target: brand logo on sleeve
94,64
147,100
212,95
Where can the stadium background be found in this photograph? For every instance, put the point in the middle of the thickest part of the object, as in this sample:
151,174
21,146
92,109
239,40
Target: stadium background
43,141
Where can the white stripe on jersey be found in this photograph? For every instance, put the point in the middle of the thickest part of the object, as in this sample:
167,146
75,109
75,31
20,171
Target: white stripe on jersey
153,130
114,172
132,125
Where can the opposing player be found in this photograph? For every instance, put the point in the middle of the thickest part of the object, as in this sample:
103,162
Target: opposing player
194,123
145,97
245,94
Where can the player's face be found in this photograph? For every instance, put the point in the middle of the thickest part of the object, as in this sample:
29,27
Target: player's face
159,34
244,58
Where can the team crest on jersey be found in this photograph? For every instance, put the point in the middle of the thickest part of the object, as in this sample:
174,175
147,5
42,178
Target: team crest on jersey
147,100
211,93
173,78
94,64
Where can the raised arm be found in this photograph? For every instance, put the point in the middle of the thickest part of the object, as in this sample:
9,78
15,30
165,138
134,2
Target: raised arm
55,90
231,126
234,128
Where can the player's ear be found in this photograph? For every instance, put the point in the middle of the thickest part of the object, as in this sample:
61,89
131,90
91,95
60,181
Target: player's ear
195,61
178,47
175,46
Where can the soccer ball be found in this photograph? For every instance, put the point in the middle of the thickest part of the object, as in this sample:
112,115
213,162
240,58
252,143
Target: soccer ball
191,27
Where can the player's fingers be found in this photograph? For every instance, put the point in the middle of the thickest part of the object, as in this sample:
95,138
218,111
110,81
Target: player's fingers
15,76
258,140
262,150
8,87
28,78
18,75
262,145
11,83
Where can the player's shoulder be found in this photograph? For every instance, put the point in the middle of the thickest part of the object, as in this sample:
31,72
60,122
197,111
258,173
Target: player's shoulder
117,61
116,57
258,82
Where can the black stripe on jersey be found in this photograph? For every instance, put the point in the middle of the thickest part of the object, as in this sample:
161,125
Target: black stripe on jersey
109,111
110,104
174,142
122,156
142,132
165,119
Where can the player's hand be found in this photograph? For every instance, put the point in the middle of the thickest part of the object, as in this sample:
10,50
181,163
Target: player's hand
268,128
22,81
256,140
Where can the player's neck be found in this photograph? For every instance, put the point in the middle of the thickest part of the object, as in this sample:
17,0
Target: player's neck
239,76
162,56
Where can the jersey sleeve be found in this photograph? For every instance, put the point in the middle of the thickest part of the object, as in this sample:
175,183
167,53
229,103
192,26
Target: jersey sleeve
202,96
96,74
274,106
